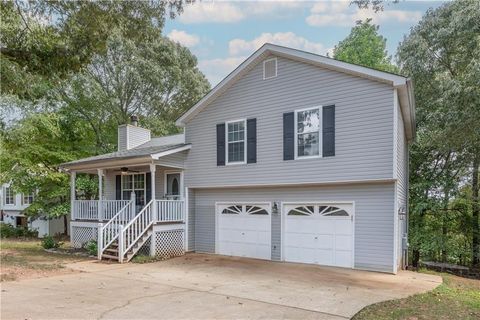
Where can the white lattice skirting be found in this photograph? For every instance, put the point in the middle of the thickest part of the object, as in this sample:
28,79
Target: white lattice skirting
81,235
169,243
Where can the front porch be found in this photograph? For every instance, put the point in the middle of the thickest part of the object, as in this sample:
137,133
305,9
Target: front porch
139,209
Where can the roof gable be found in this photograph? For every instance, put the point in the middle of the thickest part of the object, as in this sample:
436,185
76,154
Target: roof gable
401,83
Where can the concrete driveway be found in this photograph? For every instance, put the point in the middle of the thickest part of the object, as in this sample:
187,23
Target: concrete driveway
204,286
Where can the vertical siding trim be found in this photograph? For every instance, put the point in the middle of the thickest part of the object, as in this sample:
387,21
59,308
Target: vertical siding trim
395,134
186,208
395,228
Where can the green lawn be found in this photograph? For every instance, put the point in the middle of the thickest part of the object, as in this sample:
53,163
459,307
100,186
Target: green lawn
21,259
457,298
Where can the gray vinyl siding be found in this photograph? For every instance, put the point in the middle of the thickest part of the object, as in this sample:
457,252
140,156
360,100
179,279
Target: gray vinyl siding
374,208
176,160
191,220
402,179
122,138
364,128
137,136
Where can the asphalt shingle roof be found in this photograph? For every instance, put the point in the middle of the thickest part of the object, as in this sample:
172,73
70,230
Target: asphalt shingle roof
124,154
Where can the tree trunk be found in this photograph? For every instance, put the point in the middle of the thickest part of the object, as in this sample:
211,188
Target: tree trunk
65,225
444,225
475,212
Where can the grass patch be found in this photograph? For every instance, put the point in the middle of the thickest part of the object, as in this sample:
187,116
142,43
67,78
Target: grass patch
26,258
455,298
141,258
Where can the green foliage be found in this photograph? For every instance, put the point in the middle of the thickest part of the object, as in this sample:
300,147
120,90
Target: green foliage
9,231
49,242
441,56
91,247
44,41
366,47
141,258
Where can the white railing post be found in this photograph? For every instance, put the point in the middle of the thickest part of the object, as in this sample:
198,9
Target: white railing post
134,206
120,243
73,176
153,169
100,194
100,241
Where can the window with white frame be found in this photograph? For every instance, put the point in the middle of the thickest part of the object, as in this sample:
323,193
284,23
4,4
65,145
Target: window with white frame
9,195
134,183
236,136
27,198
308,132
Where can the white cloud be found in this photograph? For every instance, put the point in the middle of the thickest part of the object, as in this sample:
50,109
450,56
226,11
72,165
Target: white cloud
288,39
217,69
222,12
232,12
341,13
186,39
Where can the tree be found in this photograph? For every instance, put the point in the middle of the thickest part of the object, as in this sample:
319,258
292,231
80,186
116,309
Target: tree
364,46
44,41
30,152
157,80
376,5
441,56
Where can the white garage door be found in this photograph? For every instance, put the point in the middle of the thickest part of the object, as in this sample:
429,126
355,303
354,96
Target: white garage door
243,230
319,233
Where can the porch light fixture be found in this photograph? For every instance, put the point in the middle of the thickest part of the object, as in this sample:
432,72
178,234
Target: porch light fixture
124,170
402,213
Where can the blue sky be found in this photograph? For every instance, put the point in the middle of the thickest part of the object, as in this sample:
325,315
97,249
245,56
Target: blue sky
223,33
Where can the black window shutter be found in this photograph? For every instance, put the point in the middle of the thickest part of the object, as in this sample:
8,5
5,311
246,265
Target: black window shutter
288,136
148,187
328,144
251,140
221,144
118,187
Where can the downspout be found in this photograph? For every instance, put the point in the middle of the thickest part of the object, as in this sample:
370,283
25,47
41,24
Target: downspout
407,209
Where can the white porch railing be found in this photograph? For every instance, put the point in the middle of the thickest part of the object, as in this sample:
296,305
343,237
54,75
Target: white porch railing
170,210
85,210
96,210
109,232
131,233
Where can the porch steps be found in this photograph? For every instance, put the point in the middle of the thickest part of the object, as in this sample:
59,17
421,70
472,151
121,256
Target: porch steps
111,253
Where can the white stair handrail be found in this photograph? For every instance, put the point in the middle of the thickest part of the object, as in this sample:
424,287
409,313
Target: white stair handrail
135,229
109,232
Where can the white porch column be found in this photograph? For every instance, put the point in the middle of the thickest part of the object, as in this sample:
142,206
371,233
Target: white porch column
73,176
153,169
100,194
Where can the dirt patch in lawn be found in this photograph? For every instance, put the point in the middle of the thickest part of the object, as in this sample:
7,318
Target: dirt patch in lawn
26,259
456,298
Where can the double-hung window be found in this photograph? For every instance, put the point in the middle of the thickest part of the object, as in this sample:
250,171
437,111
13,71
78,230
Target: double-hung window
27,198
9,196
236,137
307,132
134,183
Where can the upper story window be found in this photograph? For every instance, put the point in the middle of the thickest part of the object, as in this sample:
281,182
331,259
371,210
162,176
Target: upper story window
28,198
307,131
236,137
9,195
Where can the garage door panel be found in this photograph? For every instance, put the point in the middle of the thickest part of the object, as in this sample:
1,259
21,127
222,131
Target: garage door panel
243,234
343,242
322,237
343,258
300,240
343,226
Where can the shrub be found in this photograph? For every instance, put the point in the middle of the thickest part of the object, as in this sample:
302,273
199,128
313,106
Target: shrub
9,231
49,243
91,247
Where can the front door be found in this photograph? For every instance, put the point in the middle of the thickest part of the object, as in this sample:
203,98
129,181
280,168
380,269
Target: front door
173,186
134,183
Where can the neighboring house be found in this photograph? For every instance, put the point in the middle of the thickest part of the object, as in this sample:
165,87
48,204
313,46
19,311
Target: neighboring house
292,157
12,206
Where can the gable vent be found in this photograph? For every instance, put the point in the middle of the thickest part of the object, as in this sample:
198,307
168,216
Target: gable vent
270,68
